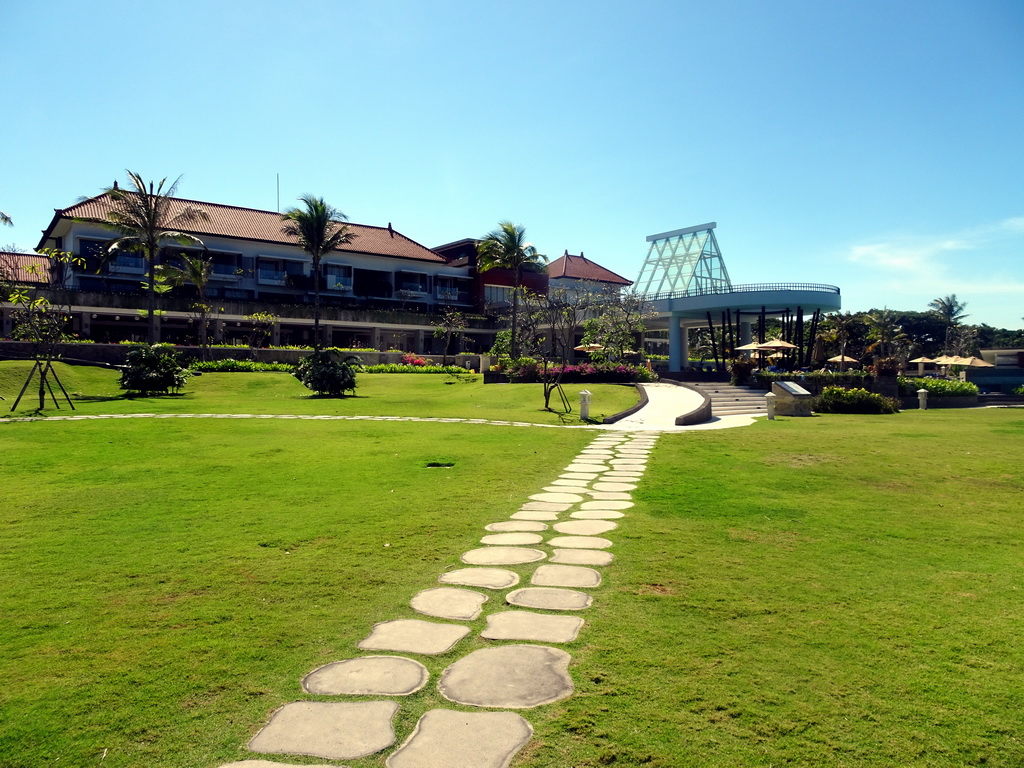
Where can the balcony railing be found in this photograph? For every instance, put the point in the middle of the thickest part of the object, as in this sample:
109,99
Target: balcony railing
744,288
272,277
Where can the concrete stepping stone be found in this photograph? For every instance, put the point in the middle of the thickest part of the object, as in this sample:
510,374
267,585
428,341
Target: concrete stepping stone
605,504
620,463
449,603
557,498
536,627
269,764
367,676
512,539
502,556
601,452
509,677
413,636
616,474
544,506
488,578
582,557
580,542
531,515
585,527
562,484
596,514
515,525
565,576
579,476
444,738
614,486
549,599
610,495
590,468
332,730
581,488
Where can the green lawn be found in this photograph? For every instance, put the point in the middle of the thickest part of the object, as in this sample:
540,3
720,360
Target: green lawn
95,390
834,591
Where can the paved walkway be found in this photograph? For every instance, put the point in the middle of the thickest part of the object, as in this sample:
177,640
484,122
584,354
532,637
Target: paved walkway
665,403
532,579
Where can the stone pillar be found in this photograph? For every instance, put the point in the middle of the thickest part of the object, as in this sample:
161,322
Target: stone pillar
419,343
275,334
375,338
745,337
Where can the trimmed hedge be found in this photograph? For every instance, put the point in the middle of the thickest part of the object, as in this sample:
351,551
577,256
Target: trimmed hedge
839,400
611,373
937,387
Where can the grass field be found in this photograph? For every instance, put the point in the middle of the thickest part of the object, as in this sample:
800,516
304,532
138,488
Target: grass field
840,591
95,390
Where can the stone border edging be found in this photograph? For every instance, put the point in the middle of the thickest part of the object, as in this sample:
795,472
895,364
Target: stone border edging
629,411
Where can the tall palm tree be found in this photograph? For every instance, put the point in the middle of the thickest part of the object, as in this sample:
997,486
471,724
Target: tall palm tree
195,269
147,219
951,312
884,329
506,248
319,230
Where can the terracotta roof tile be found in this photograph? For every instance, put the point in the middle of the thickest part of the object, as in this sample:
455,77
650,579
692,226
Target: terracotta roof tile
582,268
13,267
265,226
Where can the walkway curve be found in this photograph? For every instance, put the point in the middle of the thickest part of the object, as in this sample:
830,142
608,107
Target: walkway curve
657,416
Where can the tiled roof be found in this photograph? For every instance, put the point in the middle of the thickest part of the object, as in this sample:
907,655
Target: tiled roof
264,226
13,267
582,268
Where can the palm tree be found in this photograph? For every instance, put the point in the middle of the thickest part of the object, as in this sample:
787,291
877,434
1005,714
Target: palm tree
319,231
506,248
951,312
147,219
884,329
196,270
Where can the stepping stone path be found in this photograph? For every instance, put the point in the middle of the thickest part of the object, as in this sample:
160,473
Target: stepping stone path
520,669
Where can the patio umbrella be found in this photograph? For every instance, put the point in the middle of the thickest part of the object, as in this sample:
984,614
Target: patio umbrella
843,359
920,364
974,362
944,360
751,347
588,348
777,344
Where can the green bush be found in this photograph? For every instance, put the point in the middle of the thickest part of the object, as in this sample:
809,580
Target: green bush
937,387
153,370
238,366
1019,390
326,375
839,400
402,368
526,370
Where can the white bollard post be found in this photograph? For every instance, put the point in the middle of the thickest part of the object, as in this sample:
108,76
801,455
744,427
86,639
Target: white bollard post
769,398
584,404
922,399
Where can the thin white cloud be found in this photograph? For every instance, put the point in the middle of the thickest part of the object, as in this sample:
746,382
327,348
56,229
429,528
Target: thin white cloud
1015,224
907,256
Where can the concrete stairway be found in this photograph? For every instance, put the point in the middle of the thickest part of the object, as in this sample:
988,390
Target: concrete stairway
727,400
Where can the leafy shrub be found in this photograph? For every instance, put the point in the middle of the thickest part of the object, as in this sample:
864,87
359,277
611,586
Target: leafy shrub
414,360
323,373
937,387
740,369
887,366
839,400
527,370
238,366
153,369
1019,390
400,368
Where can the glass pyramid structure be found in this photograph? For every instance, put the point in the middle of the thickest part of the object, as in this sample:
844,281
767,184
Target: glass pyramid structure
684,262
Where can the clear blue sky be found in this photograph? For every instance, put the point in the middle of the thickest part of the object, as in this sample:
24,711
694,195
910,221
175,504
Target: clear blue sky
872,145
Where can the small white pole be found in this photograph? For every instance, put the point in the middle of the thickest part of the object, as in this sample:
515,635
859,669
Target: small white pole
922,399
769,398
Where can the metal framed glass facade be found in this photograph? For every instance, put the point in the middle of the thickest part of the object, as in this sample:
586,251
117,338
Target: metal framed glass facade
684,262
